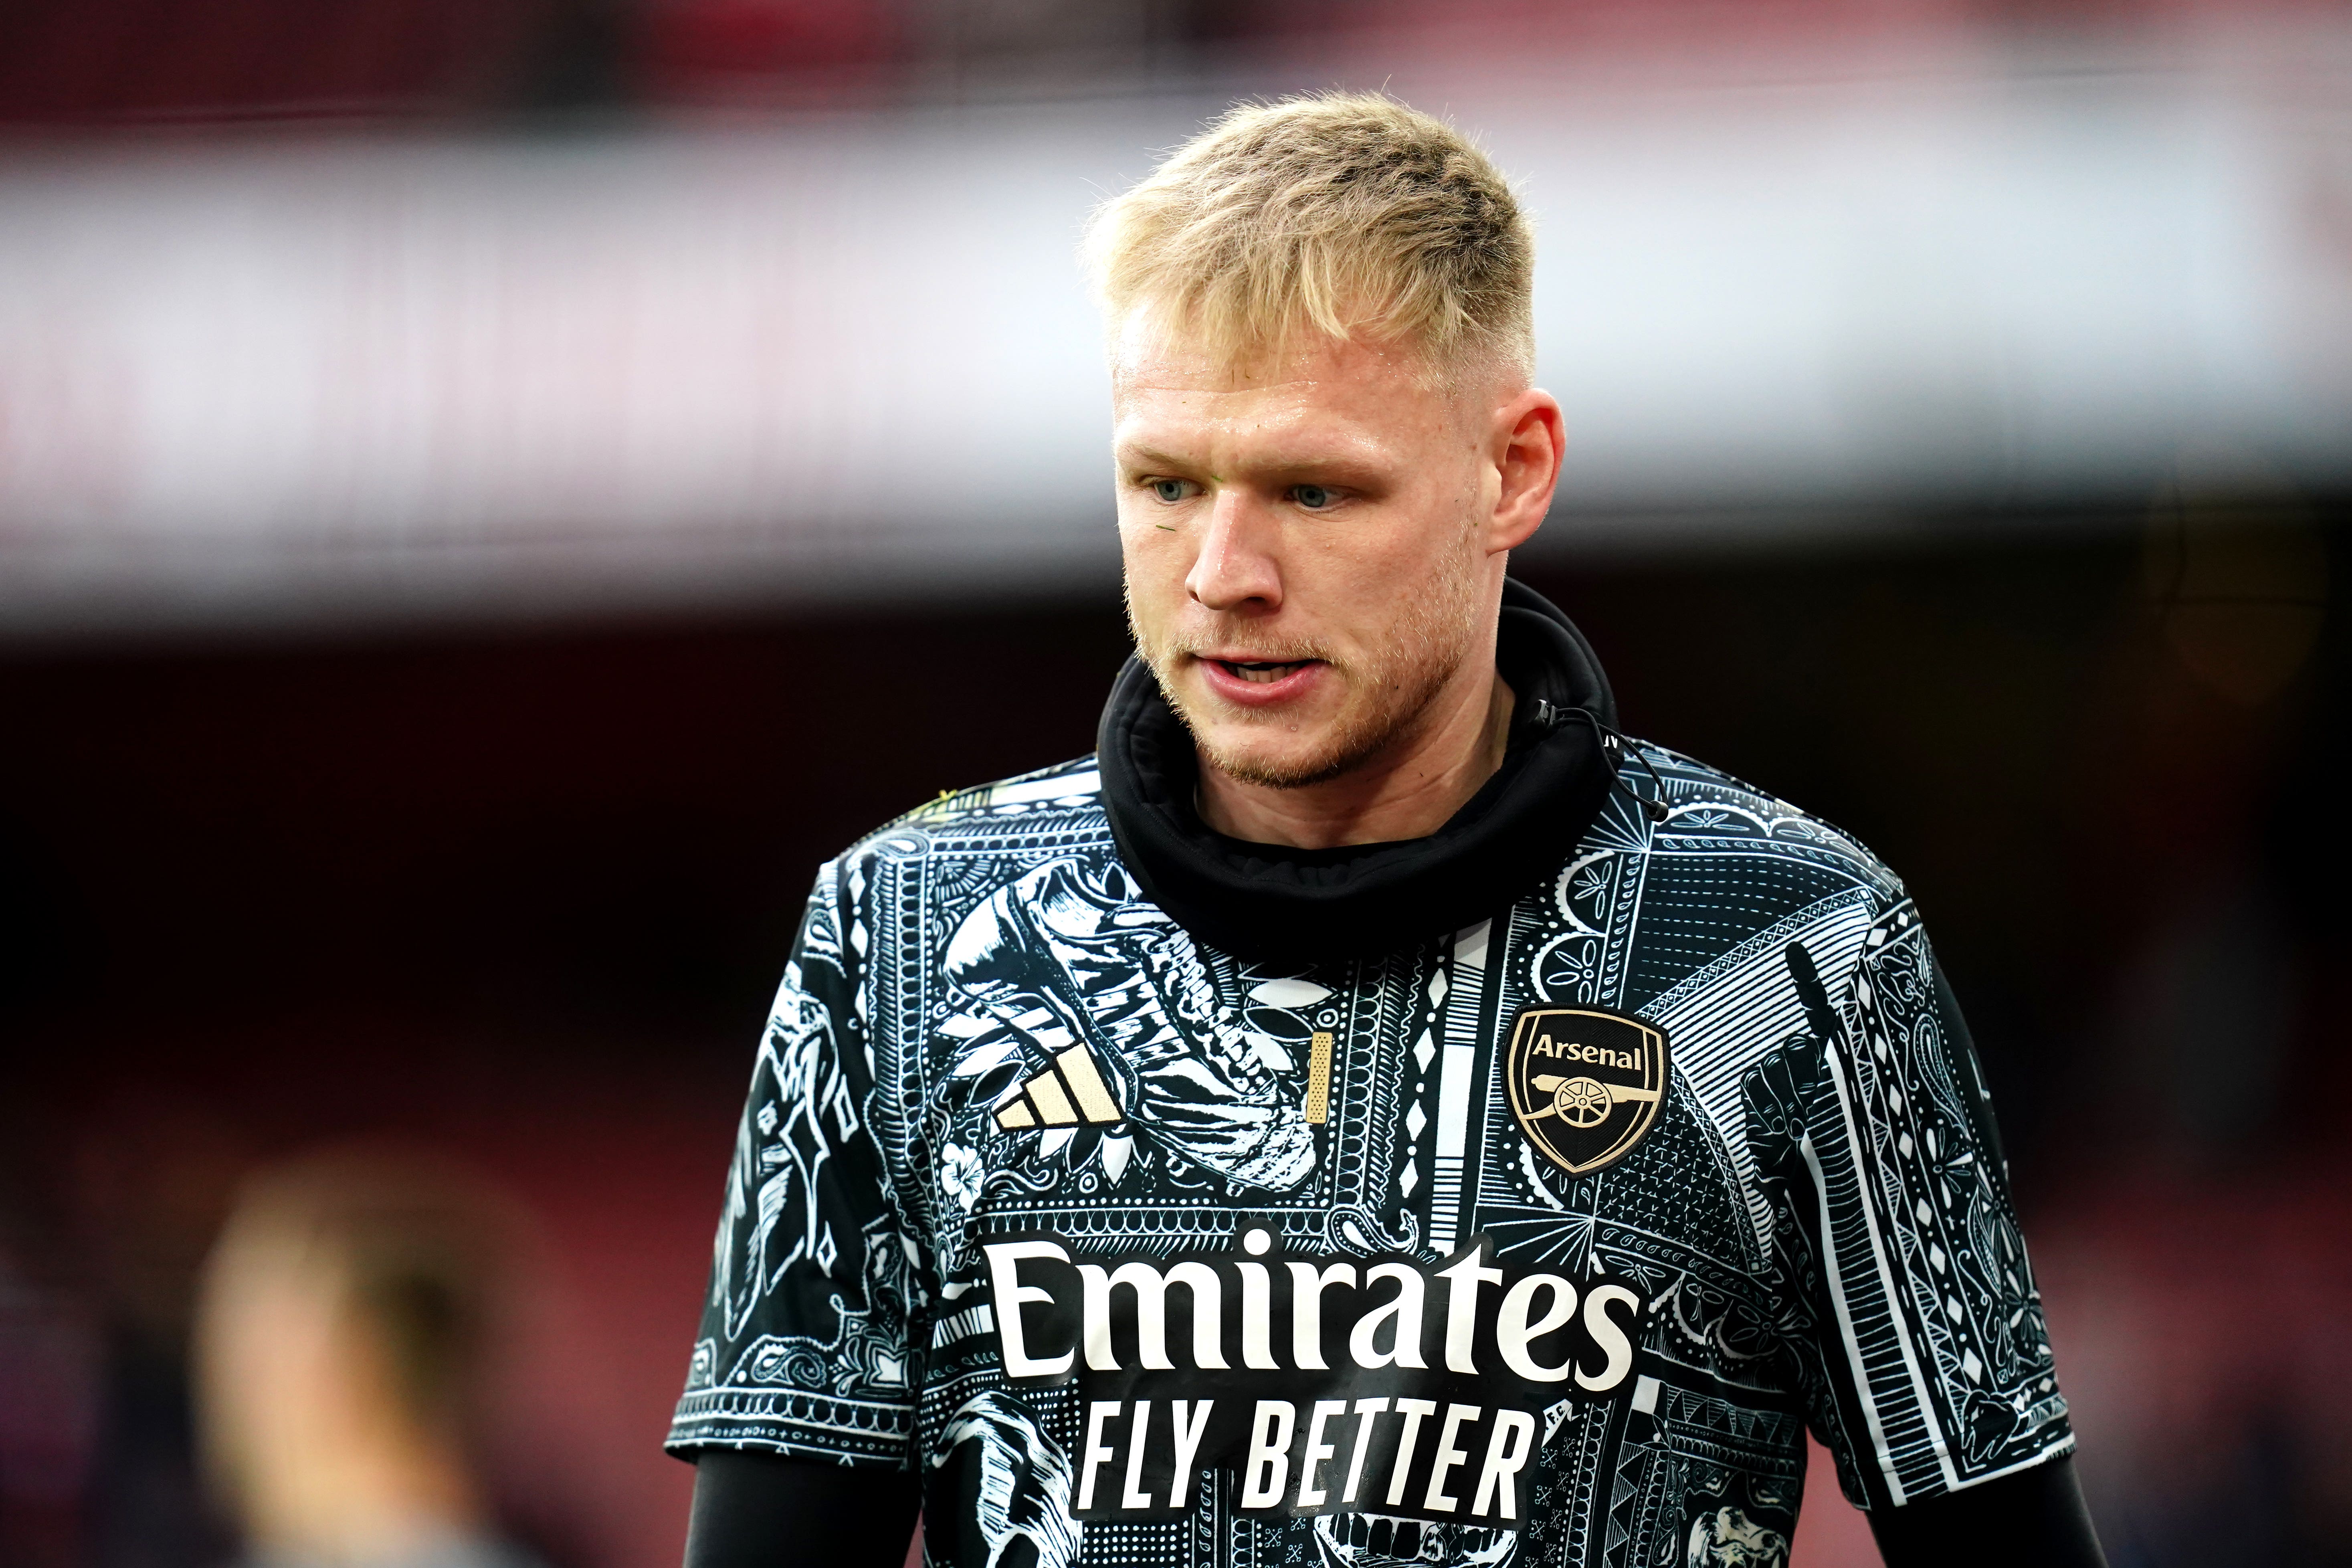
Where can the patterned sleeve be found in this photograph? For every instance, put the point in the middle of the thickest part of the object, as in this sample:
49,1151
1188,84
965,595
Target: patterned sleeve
804,1344
1912,1309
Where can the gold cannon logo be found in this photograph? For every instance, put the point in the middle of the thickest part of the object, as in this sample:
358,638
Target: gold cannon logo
1584,1084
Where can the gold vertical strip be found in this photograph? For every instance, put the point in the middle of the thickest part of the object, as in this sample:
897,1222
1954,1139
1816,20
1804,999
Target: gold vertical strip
1317,1108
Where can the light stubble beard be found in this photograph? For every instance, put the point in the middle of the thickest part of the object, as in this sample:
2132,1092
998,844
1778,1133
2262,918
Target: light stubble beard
1390,689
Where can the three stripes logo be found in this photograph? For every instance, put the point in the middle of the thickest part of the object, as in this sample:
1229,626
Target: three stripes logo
1069,1092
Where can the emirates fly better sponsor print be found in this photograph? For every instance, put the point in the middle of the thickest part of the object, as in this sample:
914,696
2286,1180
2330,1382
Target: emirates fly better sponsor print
1386,1383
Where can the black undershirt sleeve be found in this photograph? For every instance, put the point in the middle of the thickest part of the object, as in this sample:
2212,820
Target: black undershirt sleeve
763,1511
2034,1518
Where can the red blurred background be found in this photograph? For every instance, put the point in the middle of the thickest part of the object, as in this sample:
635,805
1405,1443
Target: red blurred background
522,896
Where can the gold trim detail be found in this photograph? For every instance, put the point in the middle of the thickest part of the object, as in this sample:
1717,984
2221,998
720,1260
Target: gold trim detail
1317,1106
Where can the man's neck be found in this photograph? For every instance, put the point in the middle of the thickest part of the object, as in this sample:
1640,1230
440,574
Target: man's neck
1409,793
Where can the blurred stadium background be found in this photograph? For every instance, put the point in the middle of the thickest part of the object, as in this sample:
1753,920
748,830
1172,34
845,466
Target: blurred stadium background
491,493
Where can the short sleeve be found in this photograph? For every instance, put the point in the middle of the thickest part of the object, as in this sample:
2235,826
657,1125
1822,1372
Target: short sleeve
1918,1326
803,1348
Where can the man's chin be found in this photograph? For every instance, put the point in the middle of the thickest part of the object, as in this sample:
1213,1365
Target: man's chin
1273,773
1274,750
1249,759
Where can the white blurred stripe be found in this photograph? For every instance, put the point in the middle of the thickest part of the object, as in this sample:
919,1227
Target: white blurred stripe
854,356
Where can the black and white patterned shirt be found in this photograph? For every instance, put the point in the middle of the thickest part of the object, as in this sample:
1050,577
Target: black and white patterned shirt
1542,1241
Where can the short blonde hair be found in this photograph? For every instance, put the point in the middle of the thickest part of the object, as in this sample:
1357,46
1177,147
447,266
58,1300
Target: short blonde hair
1349,214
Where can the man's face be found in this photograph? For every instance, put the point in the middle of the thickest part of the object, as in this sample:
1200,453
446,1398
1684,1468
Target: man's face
1310,547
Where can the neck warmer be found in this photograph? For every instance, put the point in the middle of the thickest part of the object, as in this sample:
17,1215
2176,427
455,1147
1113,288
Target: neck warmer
1269,902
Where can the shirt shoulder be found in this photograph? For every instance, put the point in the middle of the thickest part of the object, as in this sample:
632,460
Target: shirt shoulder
1709,811
1062,785
1070,793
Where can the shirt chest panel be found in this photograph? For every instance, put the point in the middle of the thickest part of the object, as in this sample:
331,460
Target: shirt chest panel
1212,1064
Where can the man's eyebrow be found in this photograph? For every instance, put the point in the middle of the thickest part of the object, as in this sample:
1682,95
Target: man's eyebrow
1344,464
1138,457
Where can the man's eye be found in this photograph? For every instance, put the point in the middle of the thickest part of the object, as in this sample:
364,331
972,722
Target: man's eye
1171,490
1313,498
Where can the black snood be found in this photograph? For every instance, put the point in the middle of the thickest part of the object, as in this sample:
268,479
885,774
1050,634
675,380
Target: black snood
1270,904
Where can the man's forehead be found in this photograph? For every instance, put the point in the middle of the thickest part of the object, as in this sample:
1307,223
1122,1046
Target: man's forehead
1322,405
1291,420
1150,354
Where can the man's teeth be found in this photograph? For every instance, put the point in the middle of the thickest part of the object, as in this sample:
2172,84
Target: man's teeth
1262,672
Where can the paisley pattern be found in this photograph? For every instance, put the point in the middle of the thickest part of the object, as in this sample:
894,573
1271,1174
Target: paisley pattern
987,1032
1202,1079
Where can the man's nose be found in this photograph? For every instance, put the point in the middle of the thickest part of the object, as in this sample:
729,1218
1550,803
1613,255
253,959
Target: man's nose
1237,566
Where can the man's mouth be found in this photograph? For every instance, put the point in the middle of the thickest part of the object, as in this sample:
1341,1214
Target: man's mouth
1260,672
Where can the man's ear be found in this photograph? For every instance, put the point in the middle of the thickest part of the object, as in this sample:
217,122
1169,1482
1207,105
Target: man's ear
1528,435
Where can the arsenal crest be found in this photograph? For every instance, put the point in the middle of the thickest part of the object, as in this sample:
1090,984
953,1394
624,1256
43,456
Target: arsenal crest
1584,1084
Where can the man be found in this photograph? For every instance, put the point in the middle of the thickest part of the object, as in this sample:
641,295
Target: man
340,1358
1372,1111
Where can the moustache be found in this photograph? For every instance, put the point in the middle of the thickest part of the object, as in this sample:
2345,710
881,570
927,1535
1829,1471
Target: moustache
1201,645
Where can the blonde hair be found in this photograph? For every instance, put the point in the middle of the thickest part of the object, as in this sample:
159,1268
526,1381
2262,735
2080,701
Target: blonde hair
1348,214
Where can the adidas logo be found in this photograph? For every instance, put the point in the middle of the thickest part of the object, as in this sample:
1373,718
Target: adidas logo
1068,1092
